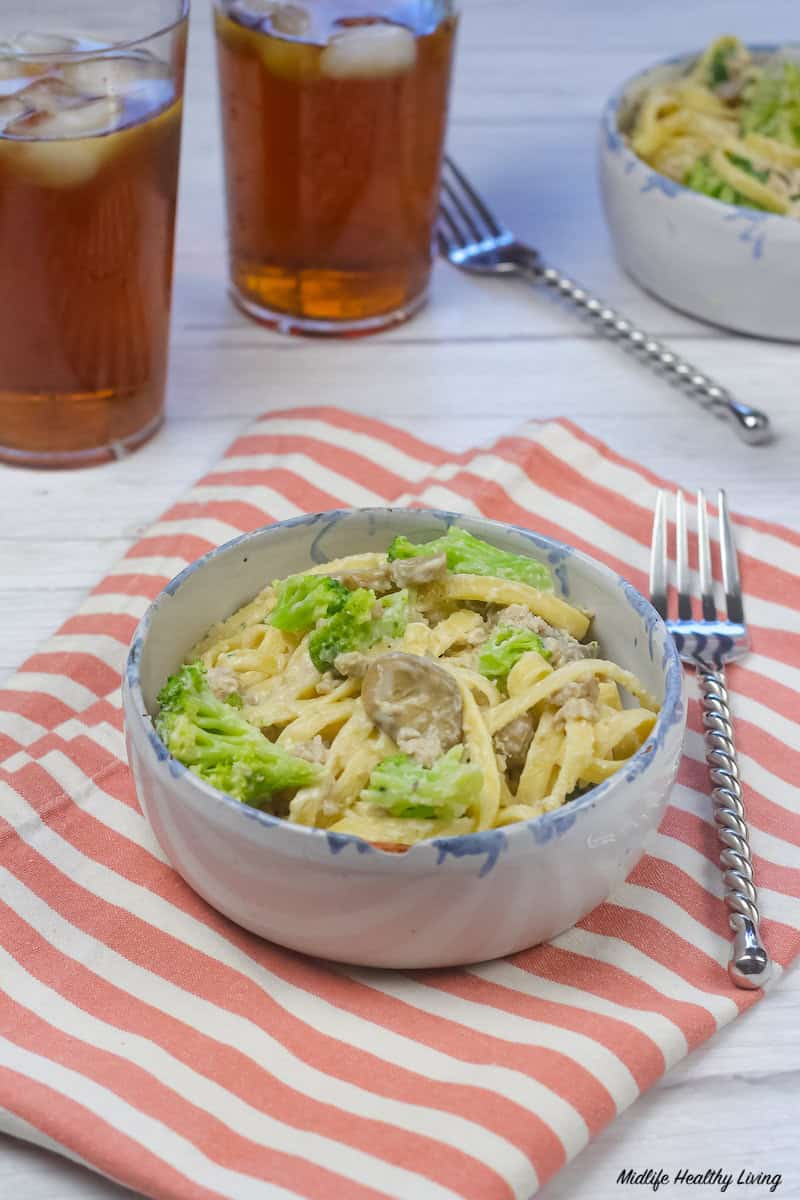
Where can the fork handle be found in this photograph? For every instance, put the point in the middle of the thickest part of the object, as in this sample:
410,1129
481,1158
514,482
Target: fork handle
751,425
749,965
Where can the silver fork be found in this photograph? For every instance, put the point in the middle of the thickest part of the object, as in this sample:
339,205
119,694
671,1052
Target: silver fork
707,645
472,238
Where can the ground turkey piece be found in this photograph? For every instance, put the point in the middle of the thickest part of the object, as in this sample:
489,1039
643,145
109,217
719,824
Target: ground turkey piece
424,745
560,645
577,701
222,681
513,740
352,663
313,751
327,683
478,635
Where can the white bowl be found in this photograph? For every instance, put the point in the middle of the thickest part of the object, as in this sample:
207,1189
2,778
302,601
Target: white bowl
733,266
445,901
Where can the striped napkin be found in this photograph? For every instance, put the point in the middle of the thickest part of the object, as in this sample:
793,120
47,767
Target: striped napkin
148,1037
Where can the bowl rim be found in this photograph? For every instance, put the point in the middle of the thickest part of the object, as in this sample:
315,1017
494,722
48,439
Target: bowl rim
616,142
672,711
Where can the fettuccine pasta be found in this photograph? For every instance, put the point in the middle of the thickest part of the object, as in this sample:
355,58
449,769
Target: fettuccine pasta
432,691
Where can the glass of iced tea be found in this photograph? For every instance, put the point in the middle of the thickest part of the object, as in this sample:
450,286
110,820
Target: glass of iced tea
90,120
334,115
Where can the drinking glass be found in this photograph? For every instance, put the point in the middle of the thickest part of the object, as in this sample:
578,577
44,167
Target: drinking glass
334,115
90,122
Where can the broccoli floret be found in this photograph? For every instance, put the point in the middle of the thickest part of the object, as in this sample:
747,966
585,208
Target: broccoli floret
360,623
720,61
469,555
701,177
210,737
391,621
771,105
401,787
348,629
305,599
718,65
505,647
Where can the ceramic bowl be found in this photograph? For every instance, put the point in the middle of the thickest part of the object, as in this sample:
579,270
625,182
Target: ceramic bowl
733,266
444,901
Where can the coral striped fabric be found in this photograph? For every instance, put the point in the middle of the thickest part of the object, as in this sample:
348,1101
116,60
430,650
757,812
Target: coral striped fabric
148,1037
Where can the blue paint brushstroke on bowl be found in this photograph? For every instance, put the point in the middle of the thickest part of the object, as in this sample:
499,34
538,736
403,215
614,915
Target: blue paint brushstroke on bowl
337,842
490,843
551,825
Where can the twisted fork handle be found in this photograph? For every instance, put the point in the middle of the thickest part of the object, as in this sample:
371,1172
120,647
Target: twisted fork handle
751,424
749,965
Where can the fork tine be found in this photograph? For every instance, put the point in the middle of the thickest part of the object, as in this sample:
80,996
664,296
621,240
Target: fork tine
658,558
476,233
495,229
730,565
704,560
451,226
682,561
445,230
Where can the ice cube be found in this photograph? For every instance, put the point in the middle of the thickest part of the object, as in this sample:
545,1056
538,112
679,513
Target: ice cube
76,121
251,12
10,109
114,75
43,43
369,52
60,150
48,94
291,20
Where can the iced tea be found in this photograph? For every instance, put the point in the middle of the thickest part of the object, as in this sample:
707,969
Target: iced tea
89,145
334,117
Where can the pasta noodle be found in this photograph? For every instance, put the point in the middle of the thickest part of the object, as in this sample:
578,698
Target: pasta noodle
405,699
503,591
729,128
572,672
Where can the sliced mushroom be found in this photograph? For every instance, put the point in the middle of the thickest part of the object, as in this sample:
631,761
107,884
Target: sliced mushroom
513,741
415,702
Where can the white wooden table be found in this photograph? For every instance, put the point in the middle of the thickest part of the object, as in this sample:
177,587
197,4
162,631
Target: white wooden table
483,357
